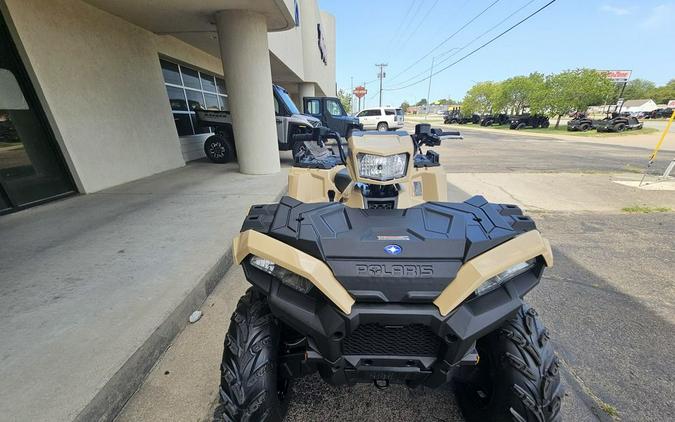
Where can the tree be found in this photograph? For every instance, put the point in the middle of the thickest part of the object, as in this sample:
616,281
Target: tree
523,91
421,102
664,93
638,89
576,90
346,100
404,106
481,98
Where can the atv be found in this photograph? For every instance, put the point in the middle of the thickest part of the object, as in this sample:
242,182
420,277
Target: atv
495,119
581,123
458,118
533,121
618,123
365,272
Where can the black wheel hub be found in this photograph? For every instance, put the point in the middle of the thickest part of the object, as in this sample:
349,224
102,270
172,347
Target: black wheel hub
217,150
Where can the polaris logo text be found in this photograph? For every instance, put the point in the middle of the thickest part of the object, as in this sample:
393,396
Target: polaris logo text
395,270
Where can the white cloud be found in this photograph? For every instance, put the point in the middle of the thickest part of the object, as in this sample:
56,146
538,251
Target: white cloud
660,17
617,10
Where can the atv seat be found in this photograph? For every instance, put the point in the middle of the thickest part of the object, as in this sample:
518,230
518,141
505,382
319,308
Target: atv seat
342,179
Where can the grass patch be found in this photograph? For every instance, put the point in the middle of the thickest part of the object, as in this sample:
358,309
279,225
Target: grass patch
610,410
644,209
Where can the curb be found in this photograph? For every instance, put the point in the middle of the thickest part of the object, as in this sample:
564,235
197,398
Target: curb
113,396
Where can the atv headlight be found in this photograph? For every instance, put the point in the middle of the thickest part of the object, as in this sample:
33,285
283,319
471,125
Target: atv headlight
503,277
382,168
289,278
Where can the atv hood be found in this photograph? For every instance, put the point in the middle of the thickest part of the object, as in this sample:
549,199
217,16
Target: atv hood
403,255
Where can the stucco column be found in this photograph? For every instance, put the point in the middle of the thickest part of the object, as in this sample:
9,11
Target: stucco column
306,89
246,65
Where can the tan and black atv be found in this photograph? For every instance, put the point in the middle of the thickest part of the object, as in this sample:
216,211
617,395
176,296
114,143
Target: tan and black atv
365,273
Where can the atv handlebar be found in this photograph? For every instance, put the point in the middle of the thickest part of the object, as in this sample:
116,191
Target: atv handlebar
425,135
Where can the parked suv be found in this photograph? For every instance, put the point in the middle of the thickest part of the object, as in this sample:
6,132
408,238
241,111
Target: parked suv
332,114
381,118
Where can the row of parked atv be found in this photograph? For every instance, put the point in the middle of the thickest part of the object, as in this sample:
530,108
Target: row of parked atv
522,121
612,123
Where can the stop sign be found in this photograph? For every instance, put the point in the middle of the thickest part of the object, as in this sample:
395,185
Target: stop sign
360,91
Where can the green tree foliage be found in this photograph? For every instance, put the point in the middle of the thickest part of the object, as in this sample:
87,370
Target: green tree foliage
523,91
639,89
664,93
557,94
346,100
404,106
576,90
481,98
421,102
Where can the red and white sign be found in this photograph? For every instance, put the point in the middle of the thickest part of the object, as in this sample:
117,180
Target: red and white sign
671,104
618,75
360,91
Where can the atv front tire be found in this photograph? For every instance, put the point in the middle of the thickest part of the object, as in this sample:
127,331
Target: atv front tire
517,376
250,389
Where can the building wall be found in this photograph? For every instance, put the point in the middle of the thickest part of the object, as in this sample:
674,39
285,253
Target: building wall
99,80
307,66
102,88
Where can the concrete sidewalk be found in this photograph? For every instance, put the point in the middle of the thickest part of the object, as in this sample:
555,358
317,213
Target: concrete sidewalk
85,309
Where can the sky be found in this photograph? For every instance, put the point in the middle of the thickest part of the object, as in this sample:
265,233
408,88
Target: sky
612,35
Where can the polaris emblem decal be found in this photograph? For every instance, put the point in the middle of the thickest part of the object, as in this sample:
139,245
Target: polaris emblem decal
395,270
392,249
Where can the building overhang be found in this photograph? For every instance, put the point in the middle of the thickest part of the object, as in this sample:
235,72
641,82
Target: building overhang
178,17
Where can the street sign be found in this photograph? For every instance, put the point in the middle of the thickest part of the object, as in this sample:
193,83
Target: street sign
360,91
618,75
671,104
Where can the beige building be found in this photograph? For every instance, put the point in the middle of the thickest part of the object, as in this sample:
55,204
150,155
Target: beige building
95,93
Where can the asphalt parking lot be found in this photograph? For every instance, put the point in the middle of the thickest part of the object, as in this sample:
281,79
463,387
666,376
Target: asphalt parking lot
608,301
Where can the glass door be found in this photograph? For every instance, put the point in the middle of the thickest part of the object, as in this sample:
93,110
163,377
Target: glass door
31,166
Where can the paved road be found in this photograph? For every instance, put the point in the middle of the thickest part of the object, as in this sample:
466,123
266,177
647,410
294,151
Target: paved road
491,152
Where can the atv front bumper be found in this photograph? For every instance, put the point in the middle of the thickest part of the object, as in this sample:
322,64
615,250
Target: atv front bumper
392,342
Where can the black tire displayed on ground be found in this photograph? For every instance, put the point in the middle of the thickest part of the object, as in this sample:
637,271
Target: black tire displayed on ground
545,124
250,389
520,126
584,127
620,127
382,127
219,149
517,377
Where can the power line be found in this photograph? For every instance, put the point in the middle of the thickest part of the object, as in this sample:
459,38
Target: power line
476,49
400,25
459,49
400,47
447,39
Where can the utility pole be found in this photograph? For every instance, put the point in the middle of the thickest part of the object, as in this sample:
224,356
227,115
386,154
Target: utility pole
431,73
351,94
381,75
364,97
